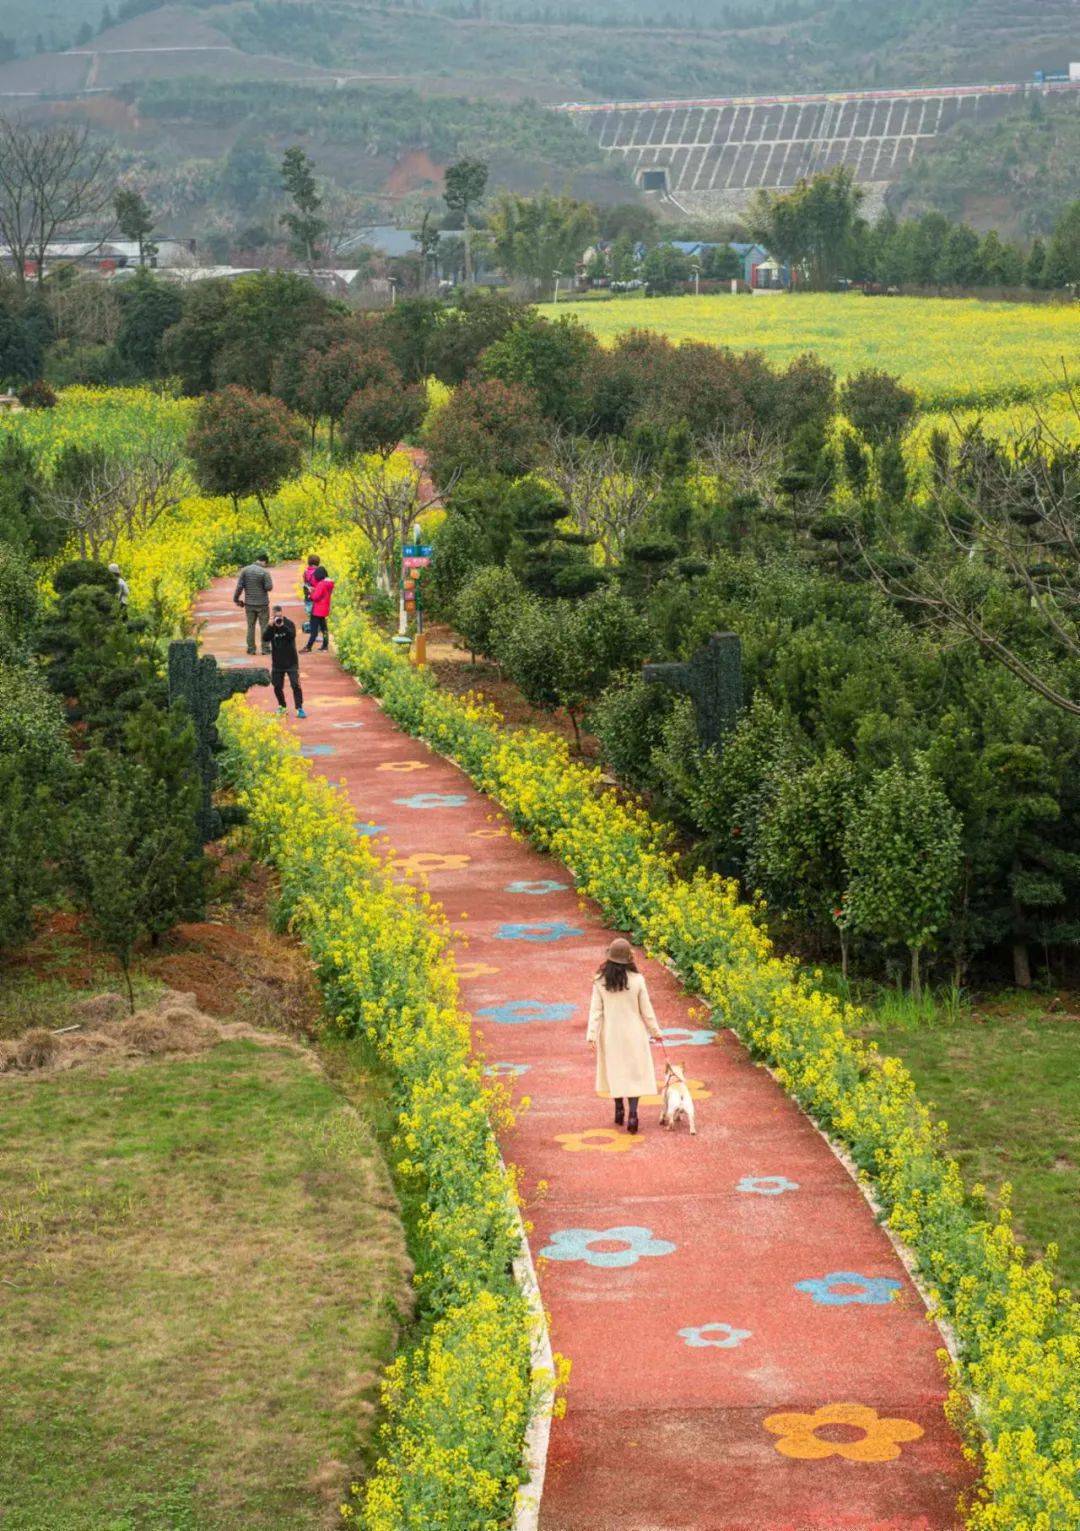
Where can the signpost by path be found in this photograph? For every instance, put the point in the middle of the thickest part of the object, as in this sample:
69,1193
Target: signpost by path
415,558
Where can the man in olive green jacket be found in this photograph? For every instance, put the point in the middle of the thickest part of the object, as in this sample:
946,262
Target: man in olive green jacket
253,587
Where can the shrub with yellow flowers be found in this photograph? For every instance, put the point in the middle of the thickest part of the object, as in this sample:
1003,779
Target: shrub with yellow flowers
457,1402
1016,1381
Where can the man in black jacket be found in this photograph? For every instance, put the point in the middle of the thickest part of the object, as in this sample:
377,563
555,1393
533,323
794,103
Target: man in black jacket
280,638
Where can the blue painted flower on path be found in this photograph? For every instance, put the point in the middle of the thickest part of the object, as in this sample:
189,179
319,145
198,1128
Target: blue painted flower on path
716,1336
433,800
367,831
537,930
577,1244
871,1291
767,1185
349,724
317,749
542,885
507,1070
684,1036
517,1012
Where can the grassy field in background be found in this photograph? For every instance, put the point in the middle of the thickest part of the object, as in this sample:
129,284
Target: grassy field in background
1005,1076
952,351
202,1268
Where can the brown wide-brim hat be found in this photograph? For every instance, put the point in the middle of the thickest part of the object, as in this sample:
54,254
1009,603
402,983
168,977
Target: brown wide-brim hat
619,951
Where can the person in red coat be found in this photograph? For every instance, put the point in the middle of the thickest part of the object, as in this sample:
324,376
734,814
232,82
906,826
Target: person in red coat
321,588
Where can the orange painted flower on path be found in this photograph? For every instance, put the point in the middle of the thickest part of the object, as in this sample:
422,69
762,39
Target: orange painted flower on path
432,861
404,766
488,834
695,1086
849,1430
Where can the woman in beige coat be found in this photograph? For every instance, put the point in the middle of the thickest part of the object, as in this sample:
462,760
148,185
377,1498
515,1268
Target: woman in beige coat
621,1021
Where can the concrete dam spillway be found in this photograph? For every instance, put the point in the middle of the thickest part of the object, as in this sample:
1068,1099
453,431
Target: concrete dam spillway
710,156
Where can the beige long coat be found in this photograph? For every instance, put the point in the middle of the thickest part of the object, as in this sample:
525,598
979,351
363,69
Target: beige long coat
621,1023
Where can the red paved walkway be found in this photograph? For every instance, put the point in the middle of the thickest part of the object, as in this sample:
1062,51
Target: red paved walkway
686,1277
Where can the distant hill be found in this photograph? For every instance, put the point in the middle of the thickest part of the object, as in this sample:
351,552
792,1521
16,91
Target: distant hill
384,95
550,49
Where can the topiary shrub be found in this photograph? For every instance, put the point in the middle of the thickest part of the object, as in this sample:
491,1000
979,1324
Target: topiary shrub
82,571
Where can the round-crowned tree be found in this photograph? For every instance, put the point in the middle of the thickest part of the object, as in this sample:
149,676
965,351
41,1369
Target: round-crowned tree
485,427
878,405
379,417
329,379
244,444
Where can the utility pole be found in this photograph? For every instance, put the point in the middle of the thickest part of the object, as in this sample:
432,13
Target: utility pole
556,275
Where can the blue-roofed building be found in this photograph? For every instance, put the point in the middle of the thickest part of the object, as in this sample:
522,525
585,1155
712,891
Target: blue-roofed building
759,269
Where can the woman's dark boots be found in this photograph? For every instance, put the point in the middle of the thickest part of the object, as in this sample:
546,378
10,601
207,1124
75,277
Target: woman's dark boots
632,1124
620,1115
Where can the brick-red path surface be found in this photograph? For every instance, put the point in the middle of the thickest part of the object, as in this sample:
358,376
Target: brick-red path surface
684,1277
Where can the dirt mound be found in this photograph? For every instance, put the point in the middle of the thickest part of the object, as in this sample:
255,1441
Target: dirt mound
173,1024
99,1009
177,1029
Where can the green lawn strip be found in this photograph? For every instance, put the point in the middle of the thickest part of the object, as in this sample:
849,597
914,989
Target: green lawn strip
201,1269
1006,1078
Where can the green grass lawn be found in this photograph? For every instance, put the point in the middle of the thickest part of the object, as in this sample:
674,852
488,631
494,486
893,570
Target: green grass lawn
202,1271
1006,1078
952,351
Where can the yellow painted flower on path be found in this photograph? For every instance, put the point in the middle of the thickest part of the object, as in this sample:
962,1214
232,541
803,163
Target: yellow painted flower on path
601,1140
404,766
849,1430
467,970
488,834
431,861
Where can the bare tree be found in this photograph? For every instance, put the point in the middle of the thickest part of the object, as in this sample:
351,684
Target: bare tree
384,497
1009,515
52,185
608,493
749,462
107,497
85,311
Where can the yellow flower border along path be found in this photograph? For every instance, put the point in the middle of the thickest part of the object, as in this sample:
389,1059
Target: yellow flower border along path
729,1259
462,1400
1018,1333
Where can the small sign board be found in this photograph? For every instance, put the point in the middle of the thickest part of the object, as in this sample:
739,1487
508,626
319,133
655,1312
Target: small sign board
416,550
410,562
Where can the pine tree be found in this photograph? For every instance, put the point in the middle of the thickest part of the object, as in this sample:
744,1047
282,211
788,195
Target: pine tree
25,812
305,226
128,850
101,665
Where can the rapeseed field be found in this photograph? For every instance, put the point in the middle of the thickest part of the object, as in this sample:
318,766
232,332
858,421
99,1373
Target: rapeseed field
955,352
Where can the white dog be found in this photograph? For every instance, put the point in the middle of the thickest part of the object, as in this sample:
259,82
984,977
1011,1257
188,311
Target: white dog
677,1098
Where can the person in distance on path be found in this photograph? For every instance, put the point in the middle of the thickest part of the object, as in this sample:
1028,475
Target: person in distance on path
253,587
322,588
309,579
123,594
280,638
621,1023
